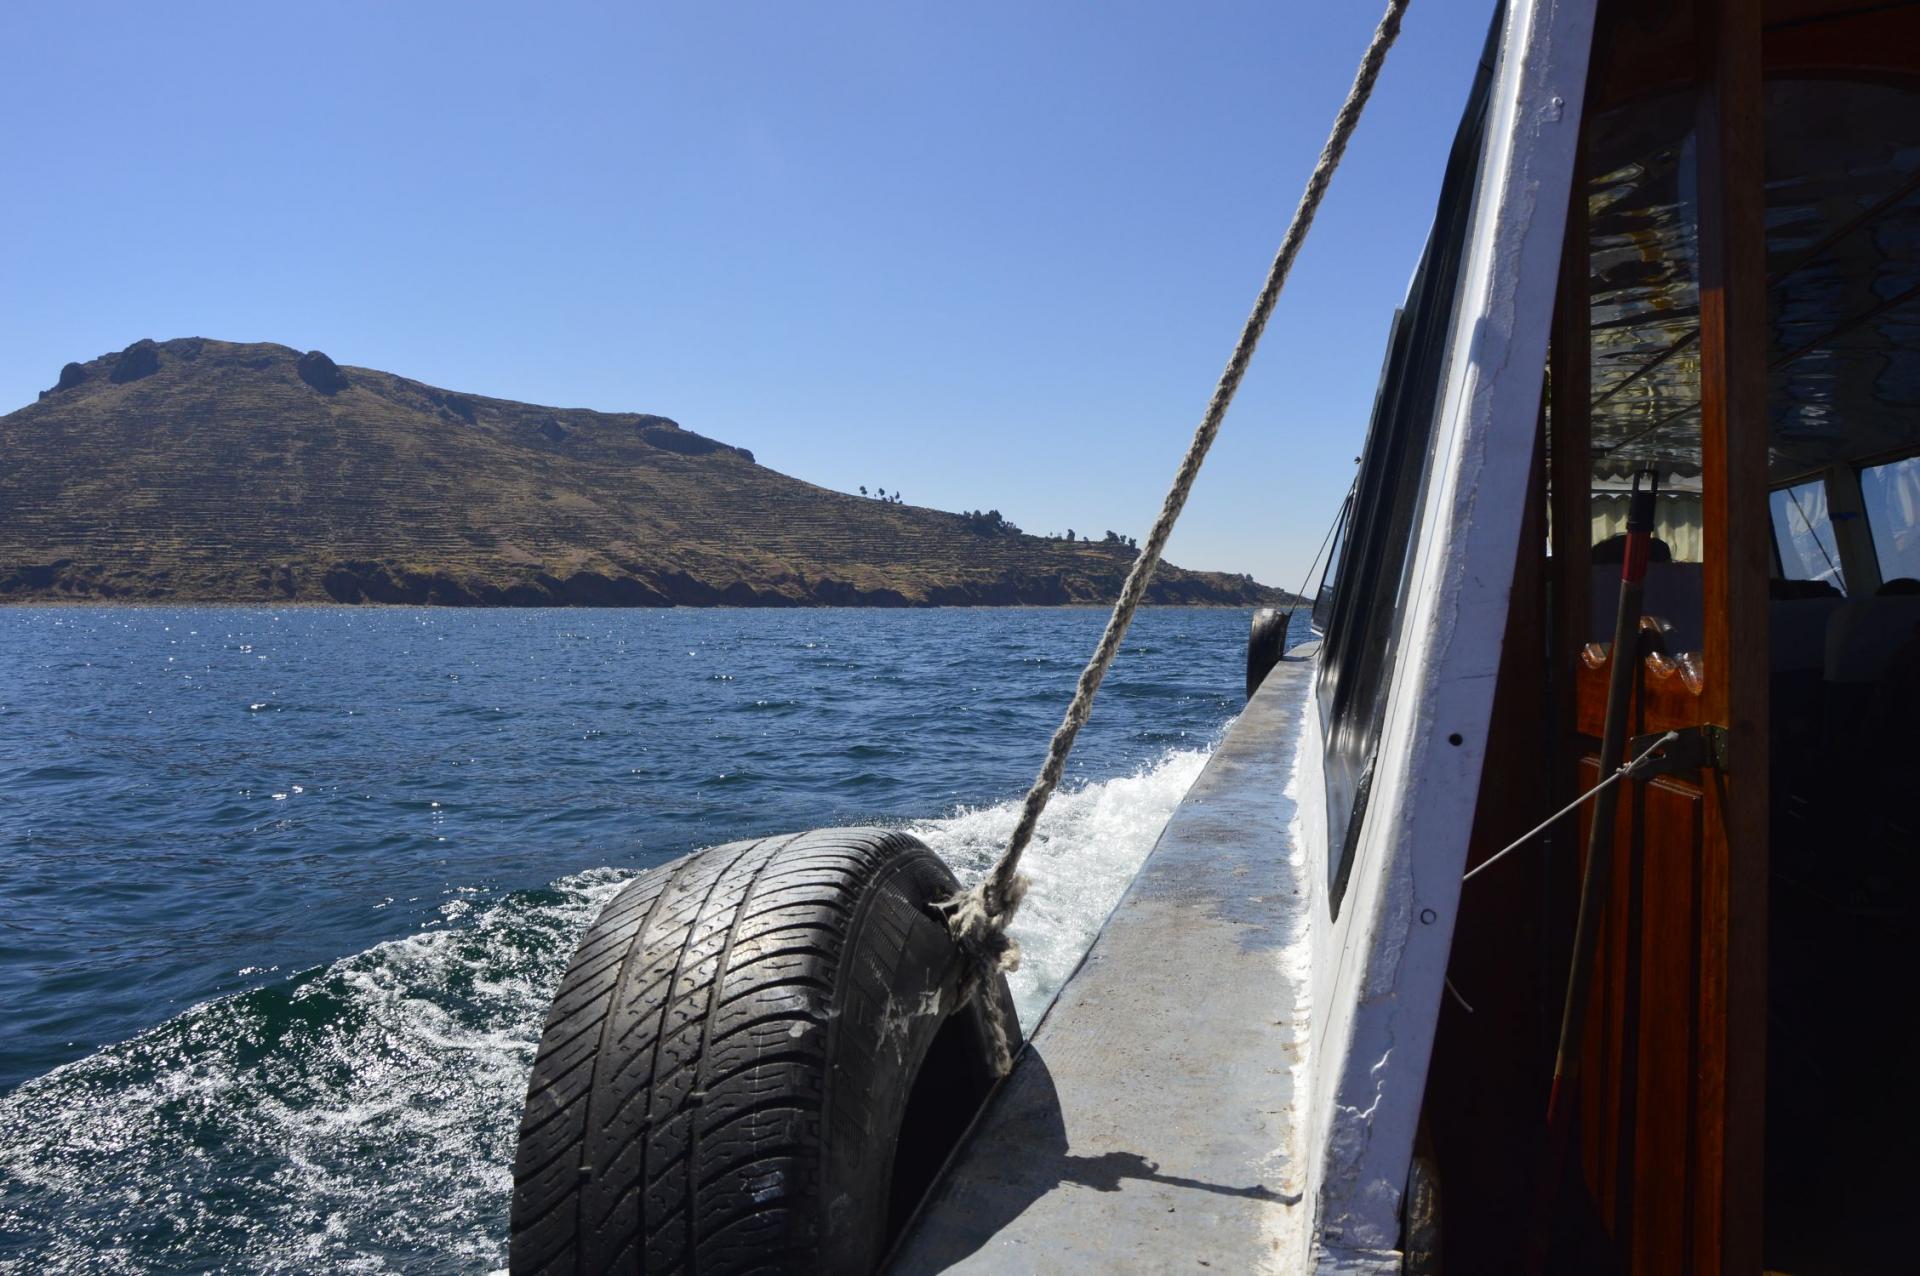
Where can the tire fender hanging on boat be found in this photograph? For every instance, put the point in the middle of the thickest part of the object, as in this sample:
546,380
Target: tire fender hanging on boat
1266,645
758,1060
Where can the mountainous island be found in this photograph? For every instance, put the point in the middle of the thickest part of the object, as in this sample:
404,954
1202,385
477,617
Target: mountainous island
197,470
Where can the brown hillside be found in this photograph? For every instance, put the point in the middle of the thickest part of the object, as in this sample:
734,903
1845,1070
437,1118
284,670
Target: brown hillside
200,470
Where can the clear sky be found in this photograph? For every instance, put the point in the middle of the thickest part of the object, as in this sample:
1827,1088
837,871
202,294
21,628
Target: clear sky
987,254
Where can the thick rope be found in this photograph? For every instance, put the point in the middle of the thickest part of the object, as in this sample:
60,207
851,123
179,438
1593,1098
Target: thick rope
978,918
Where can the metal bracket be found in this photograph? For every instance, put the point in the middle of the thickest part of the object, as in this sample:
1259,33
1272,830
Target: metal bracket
1696,747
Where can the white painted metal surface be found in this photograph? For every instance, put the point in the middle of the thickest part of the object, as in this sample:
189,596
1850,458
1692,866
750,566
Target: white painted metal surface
1378,969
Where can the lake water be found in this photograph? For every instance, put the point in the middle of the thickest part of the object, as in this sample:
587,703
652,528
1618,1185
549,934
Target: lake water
284,894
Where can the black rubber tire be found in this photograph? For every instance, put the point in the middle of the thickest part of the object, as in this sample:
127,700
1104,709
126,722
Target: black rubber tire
728,1064
1266,645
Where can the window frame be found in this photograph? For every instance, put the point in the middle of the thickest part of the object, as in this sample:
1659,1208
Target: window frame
1872,538
1362,634
1846,583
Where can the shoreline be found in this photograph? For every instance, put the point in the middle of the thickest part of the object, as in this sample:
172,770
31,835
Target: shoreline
313,605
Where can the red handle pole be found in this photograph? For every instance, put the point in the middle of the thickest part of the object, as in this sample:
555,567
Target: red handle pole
1596,881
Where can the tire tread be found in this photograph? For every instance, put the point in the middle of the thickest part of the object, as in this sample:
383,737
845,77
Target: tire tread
678,1116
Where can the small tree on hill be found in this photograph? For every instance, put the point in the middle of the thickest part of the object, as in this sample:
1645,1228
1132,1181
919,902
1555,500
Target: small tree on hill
989,524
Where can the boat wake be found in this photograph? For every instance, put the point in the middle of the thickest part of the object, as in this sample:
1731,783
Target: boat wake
1084,853
361,1116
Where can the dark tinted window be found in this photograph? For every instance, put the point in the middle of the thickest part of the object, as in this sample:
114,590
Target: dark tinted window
1323,597
1362,618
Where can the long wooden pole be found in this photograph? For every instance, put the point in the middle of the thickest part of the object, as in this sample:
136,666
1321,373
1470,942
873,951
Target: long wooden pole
1596,884
1597,878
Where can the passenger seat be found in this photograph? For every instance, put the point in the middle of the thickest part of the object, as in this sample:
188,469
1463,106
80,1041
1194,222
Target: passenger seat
1863,637
1797,634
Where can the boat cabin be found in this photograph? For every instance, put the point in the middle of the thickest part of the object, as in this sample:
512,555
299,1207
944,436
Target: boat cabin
1727,314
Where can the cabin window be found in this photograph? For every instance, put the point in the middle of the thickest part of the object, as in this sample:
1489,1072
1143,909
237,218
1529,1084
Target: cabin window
1843,223
1891,494
1803,535
1644,363
1369,594
1323,597
1643,223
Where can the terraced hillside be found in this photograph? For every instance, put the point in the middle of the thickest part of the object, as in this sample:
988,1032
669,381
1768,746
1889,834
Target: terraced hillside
201,470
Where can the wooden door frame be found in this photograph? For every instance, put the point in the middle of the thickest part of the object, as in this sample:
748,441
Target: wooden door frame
1731,1120
1720,1226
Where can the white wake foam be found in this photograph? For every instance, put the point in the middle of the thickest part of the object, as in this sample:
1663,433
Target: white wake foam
363,1121
1088,845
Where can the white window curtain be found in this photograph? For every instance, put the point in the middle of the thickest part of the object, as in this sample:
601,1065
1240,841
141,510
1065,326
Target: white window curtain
1676,520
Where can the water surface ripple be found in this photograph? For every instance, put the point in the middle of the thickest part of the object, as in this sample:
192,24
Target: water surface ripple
285,893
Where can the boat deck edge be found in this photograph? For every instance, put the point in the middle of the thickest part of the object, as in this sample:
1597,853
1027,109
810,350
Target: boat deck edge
1151,1123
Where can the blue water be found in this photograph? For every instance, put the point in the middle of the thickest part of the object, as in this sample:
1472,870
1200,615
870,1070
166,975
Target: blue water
283,894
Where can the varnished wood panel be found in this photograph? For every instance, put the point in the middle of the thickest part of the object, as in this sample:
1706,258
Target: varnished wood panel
1639,1139
1730,1103
1672,1103
1667,889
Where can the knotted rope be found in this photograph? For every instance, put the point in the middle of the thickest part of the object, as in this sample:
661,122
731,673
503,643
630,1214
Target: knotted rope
978,918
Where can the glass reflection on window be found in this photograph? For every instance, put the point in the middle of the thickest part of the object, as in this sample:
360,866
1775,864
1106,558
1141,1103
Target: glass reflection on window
1804,535
1891,494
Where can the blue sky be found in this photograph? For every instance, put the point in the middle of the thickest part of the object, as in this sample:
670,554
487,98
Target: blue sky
987,255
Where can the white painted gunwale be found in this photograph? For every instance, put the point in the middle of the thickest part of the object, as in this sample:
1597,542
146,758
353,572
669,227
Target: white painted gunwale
1378,969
